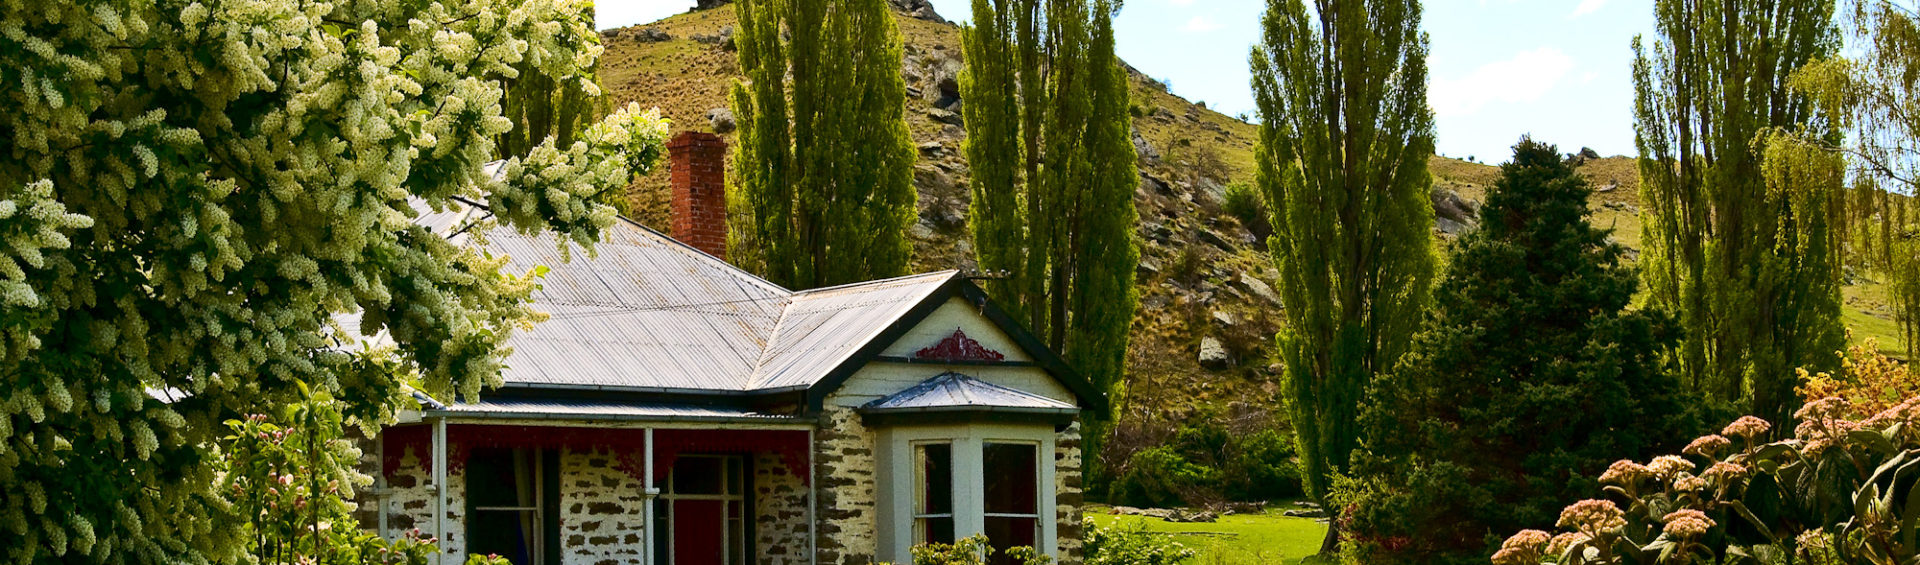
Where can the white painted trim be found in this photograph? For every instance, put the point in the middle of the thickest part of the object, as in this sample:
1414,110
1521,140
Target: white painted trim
646,504
440,490
380,492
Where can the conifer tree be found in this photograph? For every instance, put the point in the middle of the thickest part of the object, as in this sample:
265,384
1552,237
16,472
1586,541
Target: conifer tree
1053,173
192,194
823,182
1345,135
1529,375
1746,258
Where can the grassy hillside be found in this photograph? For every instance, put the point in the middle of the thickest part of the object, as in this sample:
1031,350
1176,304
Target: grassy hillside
1203,274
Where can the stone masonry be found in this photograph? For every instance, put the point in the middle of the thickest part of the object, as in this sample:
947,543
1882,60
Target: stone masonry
843,475
602,511
780,512
1068,500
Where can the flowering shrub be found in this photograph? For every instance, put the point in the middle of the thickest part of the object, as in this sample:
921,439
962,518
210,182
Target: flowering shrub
974,550
290,477
1129,546
1841,490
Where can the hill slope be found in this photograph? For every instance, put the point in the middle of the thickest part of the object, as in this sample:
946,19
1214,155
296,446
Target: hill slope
1204,277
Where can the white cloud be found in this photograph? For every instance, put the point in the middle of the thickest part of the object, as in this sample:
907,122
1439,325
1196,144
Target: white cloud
1524,78
1180,2
1587,77
1200,24
1587,7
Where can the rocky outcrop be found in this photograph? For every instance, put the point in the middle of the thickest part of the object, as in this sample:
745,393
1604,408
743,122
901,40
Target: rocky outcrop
921,9
1213,354
721,119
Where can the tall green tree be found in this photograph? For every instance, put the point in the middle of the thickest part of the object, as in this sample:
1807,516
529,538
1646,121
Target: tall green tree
1873,95
1053,173
1529,376
1345,135
1747,259
823,166
192,192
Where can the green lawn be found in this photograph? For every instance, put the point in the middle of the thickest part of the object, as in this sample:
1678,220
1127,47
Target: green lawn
1237,539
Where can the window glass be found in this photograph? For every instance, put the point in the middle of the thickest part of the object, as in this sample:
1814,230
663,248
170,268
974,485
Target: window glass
503,490
1012,482
1012,478
933,493
698,475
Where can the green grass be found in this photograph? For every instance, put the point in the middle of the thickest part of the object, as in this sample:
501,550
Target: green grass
1237,539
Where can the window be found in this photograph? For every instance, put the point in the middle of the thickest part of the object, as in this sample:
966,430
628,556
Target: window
512,495
1011,477
940,483
701,518
933,493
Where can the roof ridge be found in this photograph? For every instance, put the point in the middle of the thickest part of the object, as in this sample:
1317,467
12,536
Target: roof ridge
948,273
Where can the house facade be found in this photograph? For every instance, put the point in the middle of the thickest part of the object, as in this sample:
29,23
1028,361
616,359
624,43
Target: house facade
675,410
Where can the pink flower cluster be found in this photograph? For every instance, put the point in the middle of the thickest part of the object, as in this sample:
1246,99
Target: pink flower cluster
1523,548
1687,523
1593,517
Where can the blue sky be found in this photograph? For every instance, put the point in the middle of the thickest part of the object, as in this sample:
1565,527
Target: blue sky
1558,69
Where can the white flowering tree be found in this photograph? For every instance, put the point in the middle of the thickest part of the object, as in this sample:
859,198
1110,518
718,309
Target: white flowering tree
192,192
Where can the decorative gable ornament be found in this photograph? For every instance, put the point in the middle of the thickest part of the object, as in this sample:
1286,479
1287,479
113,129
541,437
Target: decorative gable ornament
958,347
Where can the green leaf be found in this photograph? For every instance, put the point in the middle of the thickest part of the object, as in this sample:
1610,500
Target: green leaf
1740,507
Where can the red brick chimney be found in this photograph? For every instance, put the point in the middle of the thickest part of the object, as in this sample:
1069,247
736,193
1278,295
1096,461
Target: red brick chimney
698,164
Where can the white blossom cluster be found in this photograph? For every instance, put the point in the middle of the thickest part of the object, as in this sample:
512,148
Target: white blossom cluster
192,190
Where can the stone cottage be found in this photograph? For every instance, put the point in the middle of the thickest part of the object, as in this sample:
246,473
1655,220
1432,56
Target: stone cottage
675,410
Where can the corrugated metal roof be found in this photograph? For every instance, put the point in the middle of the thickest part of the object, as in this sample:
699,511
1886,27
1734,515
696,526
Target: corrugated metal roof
644,311
542,408
822,328
955,391
647,312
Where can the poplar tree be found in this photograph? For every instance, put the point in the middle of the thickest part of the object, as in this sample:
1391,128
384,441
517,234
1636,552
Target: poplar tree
822,186
1873,96
1345,135
193,194
1745,252
1053,173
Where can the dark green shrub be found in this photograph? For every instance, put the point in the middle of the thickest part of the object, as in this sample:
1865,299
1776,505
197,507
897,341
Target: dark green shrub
1262,468
1207,462
1245,204
1162,477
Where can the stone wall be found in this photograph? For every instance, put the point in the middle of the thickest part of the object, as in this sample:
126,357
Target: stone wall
1066,491
780,512
409,501
843,477
602,511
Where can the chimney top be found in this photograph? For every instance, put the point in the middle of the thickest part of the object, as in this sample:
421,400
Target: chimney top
698,167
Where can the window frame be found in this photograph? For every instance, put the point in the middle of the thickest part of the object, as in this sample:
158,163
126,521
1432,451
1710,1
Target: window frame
898,480
1039,461
546,464
732,467
921,533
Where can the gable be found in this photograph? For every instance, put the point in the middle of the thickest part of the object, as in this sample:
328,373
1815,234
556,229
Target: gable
899,366
956,314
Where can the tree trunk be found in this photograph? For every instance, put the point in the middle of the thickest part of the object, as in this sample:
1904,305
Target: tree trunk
1331,544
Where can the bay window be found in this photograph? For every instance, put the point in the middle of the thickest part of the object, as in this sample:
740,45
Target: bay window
944,483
